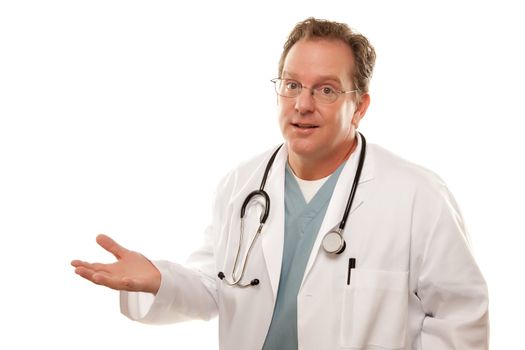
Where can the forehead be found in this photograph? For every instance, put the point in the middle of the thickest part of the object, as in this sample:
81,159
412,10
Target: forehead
318,58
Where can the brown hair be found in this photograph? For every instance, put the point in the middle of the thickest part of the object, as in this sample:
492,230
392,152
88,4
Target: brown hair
363,51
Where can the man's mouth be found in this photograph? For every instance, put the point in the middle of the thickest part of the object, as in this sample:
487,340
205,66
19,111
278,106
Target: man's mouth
305,126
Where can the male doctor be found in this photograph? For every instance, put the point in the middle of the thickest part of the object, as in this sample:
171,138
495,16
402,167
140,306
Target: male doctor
397,275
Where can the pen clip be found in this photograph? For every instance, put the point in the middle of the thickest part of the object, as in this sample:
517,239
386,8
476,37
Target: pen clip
351,265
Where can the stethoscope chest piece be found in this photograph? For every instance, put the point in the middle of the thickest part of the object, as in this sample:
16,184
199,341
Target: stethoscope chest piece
333,242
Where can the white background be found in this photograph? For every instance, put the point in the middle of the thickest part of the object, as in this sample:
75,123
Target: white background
122,116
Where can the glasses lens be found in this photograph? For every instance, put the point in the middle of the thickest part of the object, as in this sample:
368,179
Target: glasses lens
287,87
278,86
325,94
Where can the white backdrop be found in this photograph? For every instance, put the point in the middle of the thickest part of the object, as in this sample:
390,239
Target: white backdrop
122,116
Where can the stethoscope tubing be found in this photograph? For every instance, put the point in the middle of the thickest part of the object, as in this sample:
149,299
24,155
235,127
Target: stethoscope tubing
357,177
264,216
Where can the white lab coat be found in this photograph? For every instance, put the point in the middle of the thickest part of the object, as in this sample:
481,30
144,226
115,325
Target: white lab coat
415,286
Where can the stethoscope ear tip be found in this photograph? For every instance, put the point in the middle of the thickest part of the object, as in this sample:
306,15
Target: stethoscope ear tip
254,282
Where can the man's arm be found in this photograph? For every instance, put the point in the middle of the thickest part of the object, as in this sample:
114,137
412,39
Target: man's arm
450,286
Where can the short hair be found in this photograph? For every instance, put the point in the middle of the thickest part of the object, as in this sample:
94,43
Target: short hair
363,51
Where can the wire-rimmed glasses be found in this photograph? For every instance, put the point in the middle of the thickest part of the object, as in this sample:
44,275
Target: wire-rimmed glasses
324,93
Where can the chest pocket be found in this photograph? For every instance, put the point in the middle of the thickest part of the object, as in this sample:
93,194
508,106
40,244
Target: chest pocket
375,309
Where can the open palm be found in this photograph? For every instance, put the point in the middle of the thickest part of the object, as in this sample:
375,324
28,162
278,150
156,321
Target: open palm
131,272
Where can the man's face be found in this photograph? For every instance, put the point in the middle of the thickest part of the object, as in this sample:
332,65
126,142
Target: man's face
314,130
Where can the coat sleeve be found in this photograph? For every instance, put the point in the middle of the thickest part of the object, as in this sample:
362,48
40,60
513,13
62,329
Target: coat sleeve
452,292
185,293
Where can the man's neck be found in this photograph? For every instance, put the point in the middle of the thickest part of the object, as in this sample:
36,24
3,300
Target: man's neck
308,168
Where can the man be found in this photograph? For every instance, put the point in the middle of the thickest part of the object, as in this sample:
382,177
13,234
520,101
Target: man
394,270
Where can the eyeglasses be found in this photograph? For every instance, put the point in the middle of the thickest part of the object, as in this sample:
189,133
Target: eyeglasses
292,88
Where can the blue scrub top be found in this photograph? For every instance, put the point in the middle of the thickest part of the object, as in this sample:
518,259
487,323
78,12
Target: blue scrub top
302,223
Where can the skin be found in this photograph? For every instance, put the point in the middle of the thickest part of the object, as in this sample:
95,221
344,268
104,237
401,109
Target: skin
131,272
320,136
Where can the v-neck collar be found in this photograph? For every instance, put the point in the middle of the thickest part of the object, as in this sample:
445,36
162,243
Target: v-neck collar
295,199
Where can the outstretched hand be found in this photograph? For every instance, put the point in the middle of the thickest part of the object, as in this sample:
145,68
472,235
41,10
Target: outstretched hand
131,272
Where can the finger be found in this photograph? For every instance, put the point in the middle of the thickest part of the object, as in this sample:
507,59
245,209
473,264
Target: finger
106,279
111,246
85,273
100,277
78,263
95,266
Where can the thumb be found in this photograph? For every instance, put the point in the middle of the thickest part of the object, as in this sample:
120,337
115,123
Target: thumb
111,246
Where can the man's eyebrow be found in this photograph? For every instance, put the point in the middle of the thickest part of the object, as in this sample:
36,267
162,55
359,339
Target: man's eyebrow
322,78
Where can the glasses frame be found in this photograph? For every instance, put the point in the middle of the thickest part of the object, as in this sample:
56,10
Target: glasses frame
314,91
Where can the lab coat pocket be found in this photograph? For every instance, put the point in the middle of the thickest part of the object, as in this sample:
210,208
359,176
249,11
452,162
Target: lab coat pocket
375,309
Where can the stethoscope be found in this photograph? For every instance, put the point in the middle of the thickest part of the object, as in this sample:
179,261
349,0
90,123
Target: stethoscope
333,242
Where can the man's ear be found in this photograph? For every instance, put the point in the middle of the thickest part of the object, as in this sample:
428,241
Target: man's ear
362,106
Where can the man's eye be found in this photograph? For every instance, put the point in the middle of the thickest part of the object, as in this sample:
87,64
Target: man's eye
292,85
327,90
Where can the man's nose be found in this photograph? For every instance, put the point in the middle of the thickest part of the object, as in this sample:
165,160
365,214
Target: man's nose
305,102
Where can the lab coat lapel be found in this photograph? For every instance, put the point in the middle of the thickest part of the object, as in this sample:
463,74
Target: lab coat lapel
339,199
273,232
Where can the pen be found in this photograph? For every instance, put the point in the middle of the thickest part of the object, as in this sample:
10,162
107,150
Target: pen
351,265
